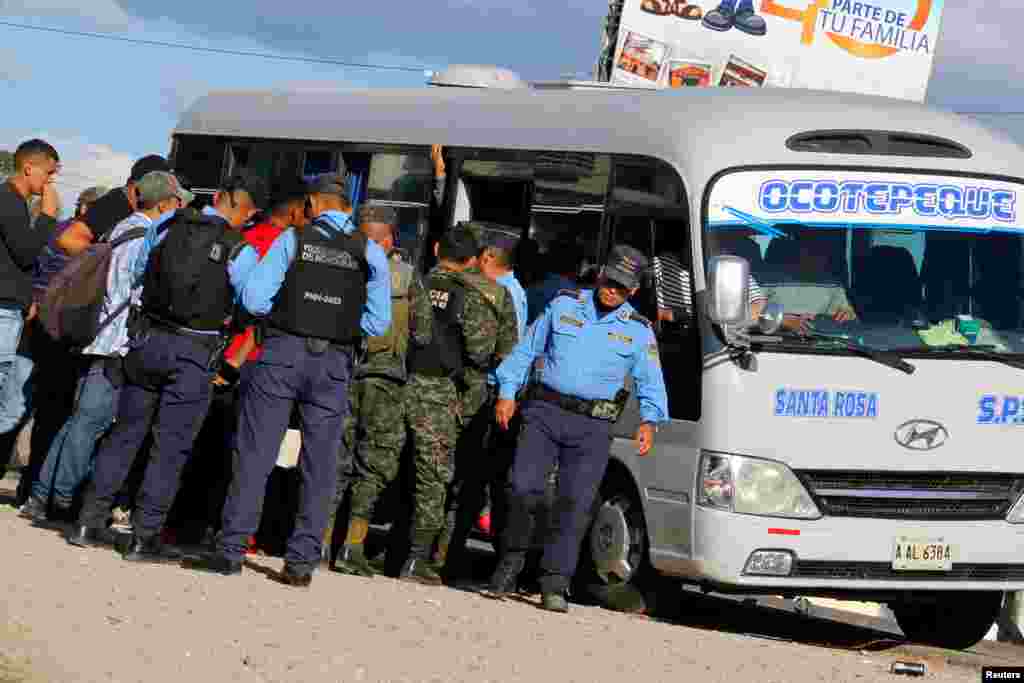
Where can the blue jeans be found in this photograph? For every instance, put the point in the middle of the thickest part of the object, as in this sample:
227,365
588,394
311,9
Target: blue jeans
14,371
70,458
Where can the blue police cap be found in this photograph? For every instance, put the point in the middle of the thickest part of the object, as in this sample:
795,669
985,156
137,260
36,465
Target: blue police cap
625,265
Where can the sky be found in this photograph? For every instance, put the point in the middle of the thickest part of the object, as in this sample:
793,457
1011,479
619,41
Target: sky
104,103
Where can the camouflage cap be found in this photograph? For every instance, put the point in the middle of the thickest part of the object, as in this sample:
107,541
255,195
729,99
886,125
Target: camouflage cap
493,235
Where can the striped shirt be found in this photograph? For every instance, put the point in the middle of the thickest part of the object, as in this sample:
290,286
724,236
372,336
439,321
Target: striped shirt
674,290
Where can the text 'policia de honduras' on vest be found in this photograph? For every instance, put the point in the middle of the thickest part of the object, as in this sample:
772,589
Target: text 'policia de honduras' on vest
319,290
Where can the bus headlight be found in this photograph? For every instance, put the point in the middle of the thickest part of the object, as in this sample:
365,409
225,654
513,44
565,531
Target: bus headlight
752,486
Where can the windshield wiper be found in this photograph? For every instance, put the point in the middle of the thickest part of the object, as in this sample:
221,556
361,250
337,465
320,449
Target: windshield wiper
981,352
885,357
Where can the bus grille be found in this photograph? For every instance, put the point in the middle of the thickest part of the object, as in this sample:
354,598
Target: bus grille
910,495
883,571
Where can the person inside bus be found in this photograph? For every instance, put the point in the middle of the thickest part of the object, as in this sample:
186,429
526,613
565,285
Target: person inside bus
562,260
799,277
673,287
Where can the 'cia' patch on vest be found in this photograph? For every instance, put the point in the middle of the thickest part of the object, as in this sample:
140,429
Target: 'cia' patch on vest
217,252
615,336
328,256
439,298
570,321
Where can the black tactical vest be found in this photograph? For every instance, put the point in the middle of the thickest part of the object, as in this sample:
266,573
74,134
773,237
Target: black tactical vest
186,281
443,356
324,292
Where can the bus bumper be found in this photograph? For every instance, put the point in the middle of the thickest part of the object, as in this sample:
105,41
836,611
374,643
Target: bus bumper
839,555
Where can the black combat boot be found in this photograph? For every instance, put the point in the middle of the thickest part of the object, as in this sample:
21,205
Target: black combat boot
88,537
213,563
506,575
150,549
352,556
420,567
554,602
299,578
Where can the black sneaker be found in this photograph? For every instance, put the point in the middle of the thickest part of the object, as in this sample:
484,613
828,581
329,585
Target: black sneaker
505,577
33,510
213,563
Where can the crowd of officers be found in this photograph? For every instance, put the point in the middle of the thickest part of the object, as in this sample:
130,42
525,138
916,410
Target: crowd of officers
313,317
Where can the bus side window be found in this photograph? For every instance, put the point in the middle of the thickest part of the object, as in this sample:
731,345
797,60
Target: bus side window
553,200
403,181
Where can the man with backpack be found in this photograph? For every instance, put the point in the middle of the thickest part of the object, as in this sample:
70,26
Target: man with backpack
69,458
189,289
321,289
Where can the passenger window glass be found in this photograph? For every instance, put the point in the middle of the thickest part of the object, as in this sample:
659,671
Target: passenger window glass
648,212
319,161
401,178
200,158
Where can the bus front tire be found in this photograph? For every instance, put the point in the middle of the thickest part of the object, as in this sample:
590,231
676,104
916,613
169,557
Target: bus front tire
614,569
954,621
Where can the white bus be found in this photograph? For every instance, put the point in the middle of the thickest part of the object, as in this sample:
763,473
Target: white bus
861,437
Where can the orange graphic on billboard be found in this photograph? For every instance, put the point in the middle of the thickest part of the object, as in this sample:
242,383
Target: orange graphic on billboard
809,19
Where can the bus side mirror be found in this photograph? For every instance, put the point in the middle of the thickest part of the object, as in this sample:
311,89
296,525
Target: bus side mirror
728,290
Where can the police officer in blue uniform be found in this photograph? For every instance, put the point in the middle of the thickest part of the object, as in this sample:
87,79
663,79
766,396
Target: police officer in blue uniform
320,289
590,341
189,291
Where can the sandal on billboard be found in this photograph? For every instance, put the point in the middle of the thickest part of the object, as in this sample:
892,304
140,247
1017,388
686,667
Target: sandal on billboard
656,7
686,10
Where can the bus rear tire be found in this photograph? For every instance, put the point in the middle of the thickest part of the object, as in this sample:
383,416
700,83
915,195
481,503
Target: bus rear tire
614,568
954,621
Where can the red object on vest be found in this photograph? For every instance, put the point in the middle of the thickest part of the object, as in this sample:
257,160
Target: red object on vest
261,237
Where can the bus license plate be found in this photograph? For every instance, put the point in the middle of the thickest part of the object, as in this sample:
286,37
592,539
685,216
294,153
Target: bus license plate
922,554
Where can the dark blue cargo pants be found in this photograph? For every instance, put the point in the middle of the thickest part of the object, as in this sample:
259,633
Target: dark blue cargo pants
288,373
580,445
167,389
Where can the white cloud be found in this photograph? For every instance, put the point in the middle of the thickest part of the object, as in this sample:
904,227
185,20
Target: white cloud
83,163
976,62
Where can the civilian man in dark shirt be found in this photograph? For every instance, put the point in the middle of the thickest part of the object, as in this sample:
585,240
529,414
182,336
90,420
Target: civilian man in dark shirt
35,168
108,210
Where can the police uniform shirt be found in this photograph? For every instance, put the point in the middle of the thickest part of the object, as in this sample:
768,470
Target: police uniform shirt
589,357
269,274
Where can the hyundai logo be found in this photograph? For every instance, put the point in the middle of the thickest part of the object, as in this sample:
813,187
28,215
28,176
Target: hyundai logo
921,435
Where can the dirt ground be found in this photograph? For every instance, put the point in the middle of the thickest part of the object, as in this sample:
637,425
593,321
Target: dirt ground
85,615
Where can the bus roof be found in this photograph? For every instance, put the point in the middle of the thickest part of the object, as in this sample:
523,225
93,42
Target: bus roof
701,130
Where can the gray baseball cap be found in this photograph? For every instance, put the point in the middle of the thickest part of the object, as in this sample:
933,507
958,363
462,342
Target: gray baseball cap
625,265
156,186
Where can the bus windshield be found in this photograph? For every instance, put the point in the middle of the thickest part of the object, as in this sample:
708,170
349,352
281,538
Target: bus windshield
915,263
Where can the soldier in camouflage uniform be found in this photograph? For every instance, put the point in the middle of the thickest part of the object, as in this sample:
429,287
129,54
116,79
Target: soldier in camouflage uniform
465,332
466,496
375,432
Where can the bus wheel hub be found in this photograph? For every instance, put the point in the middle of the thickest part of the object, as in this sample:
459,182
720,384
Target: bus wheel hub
610,543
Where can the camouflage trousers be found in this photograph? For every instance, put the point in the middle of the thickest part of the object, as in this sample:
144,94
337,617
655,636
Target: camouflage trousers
432,410
375,435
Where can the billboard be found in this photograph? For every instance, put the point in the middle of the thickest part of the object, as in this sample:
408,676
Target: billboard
876,47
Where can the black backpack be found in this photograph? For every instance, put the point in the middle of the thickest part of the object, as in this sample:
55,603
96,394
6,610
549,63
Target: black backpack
186,280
